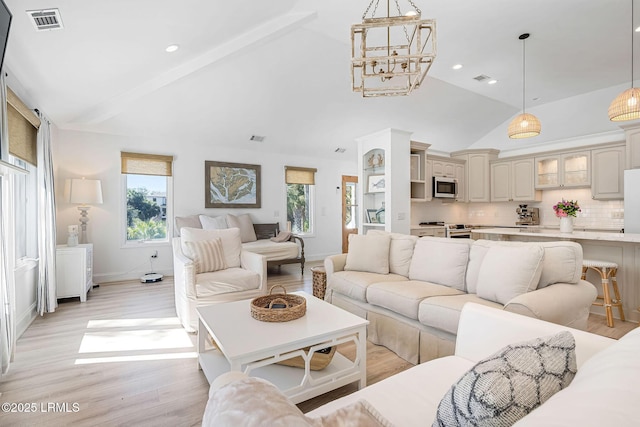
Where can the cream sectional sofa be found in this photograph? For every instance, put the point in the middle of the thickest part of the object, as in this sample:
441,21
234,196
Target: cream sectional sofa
412,290
603,392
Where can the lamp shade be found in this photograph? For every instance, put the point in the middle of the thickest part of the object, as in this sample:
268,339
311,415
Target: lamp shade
85,191
524,125
625,106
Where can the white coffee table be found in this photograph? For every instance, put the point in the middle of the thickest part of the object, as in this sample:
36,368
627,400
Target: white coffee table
251,346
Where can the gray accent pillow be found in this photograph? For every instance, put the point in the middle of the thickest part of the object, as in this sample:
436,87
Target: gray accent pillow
504,387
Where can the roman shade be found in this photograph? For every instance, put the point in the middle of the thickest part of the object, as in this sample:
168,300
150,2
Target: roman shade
296,175
146,164
23,127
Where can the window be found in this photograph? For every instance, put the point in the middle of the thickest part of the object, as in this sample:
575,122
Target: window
147,197
25,210
300,197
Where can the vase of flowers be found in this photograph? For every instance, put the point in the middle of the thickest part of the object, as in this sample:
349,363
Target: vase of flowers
566,210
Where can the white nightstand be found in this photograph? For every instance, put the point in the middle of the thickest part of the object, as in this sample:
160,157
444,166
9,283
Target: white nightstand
74,271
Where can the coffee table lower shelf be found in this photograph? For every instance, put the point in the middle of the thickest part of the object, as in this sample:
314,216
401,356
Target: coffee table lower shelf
289,379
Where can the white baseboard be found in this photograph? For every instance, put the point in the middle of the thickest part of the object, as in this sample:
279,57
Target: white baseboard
25,319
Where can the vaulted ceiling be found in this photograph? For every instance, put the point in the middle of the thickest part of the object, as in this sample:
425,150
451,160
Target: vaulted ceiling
280,69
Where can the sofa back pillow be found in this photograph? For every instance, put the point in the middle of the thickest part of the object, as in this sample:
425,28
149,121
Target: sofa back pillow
507,272
191,221
440,261
213,222
230,242
245,224
400,251
562,262
368,253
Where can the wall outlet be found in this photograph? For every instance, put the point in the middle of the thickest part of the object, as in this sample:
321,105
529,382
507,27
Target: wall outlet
155,254
617,215
401,216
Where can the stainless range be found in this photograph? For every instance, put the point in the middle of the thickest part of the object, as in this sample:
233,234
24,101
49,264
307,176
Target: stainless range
457,231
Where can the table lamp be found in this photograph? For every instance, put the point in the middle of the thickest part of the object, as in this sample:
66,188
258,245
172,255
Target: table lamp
85,192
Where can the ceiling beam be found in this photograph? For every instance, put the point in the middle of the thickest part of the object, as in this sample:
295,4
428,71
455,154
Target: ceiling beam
268,31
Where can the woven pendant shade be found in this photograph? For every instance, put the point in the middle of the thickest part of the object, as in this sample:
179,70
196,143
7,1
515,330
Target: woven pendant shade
524,125
625,106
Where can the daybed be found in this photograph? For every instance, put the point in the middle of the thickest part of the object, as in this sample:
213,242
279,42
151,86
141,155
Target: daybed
210,266
259,238
602,392
412,290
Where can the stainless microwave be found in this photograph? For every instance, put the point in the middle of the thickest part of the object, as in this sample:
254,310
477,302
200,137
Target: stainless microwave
445,188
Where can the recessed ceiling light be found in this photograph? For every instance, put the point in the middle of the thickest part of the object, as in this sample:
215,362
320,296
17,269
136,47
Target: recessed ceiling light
340,150
457,66
492,82
172,48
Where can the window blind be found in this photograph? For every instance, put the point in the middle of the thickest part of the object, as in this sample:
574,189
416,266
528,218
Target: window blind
146,164
297,175
23,129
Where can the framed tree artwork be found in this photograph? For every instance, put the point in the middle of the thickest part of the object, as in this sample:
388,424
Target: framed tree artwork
231,185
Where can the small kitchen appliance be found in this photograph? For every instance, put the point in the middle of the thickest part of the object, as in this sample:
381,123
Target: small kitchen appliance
528,216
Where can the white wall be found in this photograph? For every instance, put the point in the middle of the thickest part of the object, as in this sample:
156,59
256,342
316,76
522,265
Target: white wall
97,156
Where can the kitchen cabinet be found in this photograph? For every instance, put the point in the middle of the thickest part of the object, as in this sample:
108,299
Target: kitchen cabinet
444,168
477,182
74,271
434,231
513,181
633,147
419,180
450,168
564,170
384,173
607,180
459,174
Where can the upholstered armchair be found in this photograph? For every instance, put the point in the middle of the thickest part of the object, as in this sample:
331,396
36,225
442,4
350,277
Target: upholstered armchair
211,267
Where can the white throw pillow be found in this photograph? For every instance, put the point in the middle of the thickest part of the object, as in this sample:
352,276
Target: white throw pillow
244,223
208,255
400,251
230,242
504,387
440,261
368,253
507,272
213,222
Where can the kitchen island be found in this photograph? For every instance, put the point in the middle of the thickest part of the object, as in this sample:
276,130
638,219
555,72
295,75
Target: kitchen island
621,248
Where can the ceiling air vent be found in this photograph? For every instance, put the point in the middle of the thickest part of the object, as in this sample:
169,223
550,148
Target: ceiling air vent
481,78
47,19
256,138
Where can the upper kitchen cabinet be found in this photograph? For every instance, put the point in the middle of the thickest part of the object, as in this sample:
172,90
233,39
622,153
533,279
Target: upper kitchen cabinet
449,167
563,170
632,134
384,177
420,176
607,181
513,181
477,181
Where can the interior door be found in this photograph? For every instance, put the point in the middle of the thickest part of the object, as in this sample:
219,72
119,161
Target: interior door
349,209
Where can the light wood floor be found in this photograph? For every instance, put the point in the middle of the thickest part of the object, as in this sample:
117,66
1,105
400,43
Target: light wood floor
123,358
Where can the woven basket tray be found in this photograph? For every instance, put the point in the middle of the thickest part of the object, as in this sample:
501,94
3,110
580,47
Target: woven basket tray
278,307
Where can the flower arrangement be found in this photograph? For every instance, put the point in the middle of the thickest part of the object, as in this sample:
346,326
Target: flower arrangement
566,208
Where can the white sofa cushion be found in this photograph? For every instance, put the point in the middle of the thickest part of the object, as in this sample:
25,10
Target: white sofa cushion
562,262
230,242
507,272
354,284
603,393
441,261
504,387
208,255
443,312
271,250
368,253
225,281
213,222
245,224
400,251
404,297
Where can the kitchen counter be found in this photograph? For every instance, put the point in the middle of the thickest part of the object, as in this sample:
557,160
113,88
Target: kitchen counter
556,234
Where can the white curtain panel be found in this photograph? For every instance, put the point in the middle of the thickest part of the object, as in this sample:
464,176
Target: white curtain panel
7,298
46,298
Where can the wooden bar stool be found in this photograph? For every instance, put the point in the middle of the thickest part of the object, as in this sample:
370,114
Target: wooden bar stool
607,270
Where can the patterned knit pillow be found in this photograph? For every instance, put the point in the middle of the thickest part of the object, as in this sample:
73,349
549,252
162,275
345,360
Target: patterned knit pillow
506,386
207,255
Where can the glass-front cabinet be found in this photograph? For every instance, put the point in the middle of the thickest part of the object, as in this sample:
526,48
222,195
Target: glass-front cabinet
373,189
564,170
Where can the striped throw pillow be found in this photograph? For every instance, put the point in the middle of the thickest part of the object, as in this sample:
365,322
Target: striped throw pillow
207,255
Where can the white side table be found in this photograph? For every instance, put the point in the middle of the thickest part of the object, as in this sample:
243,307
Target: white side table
74,271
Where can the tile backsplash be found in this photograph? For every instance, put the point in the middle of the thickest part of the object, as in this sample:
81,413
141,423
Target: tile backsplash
596,214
